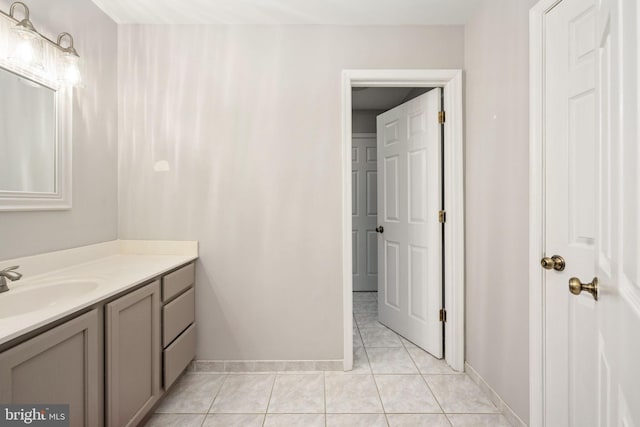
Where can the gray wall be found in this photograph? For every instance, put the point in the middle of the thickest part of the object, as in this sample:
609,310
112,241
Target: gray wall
497,106
248,118
364,121
94,215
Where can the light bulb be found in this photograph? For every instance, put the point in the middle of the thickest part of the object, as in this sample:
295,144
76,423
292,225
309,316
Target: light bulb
69,70
27,49
25,43
68,63
24,52
72,74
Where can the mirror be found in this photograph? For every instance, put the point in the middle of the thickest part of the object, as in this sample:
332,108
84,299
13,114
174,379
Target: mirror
27,135
34,143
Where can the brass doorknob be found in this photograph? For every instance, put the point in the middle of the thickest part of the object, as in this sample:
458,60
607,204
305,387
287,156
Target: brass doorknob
575,286
556,263
380,229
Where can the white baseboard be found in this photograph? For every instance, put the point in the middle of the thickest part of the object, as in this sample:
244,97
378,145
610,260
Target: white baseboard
506,410
265,365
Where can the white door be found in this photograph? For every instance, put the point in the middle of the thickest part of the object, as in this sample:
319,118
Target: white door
618,206
591,347
410,245
364,181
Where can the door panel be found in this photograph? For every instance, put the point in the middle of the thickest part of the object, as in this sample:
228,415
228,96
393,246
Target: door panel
391,189
372,192
418,267
372,255
418,186
410,287
364,181
392,275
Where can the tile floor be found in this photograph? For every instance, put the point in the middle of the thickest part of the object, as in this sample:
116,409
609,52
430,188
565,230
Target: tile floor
393,383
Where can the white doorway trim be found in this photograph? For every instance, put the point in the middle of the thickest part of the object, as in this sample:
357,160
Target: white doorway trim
536,210
451,81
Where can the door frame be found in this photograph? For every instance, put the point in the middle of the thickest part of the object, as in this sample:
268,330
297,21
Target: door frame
536,210
451,81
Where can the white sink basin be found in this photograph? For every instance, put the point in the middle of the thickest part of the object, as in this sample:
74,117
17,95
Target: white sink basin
29,298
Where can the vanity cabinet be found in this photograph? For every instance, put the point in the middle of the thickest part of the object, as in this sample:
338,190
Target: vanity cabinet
62,366
132,355
111,364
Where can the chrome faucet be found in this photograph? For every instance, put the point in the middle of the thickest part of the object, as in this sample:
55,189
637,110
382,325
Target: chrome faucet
11,274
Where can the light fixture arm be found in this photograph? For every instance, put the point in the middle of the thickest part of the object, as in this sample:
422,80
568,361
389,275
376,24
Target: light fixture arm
13,8
25,24
69,49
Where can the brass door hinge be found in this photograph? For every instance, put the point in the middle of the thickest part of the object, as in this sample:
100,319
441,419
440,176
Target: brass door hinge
443,315
442,217
441,117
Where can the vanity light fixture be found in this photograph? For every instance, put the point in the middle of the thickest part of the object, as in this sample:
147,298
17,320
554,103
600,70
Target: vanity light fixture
26,48
69,63
26,43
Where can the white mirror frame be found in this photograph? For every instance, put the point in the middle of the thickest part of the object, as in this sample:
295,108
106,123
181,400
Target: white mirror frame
60,198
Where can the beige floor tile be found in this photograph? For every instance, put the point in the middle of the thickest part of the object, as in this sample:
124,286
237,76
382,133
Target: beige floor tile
478,420
352,394
244,394
365,317
406,394
365,296
427,364
175,420
408,344
294,420
360,362
356,420
234,420
365,306
391,361
380,337
357,340
192,394
459,394
298,394
418,420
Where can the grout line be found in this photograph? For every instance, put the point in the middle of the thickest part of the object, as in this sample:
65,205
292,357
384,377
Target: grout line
215,396
414,362
324,396
266,411
433,394
380,397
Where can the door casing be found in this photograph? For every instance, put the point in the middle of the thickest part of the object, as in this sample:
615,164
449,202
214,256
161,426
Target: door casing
451,81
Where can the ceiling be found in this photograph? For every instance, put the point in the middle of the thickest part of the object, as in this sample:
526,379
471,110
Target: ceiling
383,98
290,12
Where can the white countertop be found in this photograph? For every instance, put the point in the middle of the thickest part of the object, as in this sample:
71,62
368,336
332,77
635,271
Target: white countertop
109,268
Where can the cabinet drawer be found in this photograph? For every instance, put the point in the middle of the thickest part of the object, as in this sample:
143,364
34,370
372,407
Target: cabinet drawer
177,315
178,355
176,282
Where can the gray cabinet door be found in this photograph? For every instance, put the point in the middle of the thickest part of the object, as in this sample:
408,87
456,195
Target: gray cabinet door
133,355
60,366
